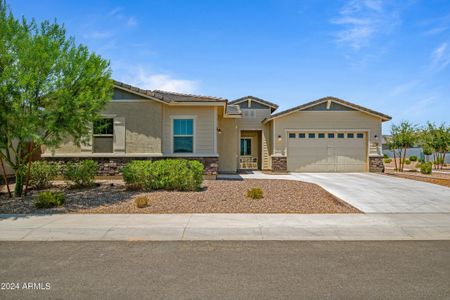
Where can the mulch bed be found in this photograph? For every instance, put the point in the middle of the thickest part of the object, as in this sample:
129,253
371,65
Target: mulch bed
436,178
217,196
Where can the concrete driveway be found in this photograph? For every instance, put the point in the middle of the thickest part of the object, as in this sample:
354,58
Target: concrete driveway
375,193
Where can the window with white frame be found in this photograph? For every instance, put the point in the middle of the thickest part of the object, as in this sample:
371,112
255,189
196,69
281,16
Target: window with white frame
183,135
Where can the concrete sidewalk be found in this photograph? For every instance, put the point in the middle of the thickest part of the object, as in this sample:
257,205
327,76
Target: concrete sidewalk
128,227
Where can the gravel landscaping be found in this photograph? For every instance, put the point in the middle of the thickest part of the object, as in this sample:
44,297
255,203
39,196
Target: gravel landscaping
216,196
436,178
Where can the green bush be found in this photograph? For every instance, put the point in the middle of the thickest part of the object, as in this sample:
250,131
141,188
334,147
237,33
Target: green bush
413,158
418,164
387,160
48,199
168,174
81,173
438,161
255,193
426,168
42,173
141,201
181,175
407,162
137,175
385,156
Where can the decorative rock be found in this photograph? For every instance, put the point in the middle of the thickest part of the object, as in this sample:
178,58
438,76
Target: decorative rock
376,164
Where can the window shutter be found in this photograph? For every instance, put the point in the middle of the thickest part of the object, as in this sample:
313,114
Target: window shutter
119,134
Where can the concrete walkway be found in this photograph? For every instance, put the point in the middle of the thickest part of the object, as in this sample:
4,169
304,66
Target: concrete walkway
127,227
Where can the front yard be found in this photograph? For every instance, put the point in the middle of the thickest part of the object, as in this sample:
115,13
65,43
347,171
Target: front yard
436,178
216,196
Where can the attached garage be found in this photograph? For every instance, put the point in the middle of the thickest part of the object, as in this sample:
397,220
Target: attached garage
327,151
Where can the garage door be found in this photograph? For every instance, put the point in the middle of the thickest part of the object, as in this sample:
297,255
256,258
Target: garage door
327,151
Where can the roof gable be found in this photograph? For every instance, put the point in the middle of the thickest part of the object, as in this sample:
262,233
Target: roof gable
243,102
120,94
328,103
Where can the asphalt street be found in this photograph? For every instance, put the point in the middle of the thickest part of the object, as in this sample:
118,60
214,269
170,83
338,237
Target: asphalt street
225,270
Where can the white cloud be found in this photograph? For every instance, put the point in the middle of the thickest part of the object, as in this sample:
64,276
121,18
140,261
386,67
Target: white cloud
98,35
117,13
361,20
440,57
140,77
417,108
404,87
131,22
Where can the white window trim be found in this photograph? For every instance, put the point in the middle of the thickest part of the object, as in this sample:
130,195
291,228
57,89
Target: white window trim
194,132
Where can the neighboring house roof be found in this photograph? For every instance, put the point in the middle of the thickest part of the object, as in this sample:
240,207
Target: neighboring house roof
180,97
233,109
329,98
253,98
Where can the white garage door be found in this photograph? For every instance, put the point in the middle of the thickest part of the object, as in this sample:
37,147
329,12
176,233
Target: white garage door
327,151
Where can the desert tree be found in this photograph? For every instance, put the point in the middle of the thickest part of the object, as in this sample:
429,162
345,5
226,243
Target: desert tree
437,139
50,89
404,136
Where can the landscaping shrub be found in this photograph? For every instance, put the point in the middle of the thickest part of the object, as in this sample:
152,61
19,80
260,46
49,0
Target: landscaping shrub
177,174
81,173
141,201
385,156
426,168
418,165
255,193
413,158
407,162
137,175
48,199
387,160
42,173
168,174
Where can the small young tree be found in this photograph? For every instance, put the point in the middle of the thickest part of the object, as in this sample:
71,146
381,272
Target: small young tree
436,139
390,143
404,136
50,88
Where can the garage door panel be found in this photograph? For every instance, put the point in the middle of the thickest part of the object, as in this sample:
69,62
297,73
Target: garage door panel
326,155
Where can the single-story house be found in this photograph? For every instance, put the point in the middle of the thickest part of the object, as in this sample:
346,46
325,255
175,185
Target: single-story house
325,135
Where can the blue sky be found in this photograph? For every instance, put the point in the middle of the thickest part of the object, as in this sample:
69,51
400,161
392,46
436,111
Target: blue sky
391,56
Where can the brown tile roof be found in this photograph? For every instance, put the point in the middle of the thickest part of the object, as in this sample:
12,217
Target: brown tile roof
125,86
168,96
268,103
180,97
337,100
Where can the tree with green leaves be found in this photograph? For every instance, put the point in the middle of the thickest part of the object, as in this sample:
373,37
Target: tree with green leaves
391,145
436,139
50,89
403,136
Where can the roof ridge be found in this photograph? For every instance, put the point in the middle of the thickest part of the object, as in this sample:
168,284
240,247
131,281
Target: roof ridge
186,94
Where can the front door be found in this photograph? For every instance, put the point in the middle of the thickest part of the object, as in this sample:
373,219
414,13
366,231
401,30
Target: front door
246,158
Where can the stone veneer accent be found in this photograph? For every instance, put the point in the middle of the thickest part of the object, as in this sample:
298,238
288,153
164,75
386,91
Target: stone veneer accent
279,163
376,164
110,166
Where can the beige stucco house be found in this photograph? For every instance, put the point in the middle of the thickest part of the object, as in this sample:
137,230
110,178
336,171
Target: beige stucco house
326,135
